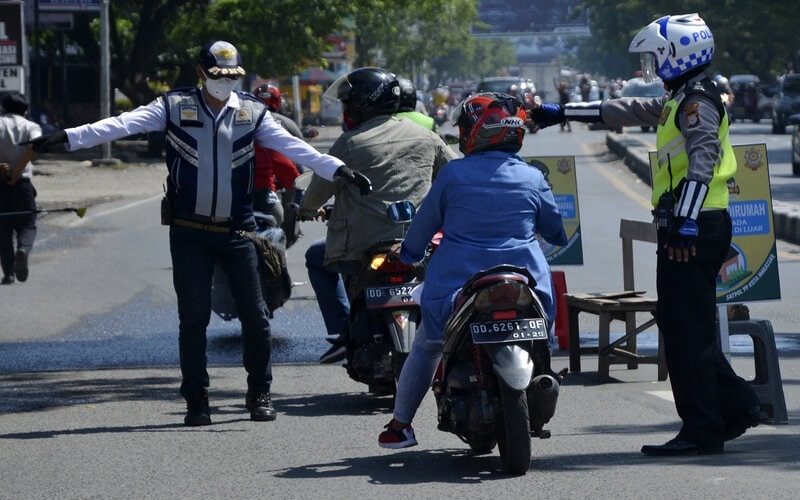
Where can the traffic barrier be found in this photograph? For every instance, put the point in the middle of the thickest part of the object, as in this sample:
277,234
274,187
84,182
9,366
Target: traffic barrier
767,382
562,318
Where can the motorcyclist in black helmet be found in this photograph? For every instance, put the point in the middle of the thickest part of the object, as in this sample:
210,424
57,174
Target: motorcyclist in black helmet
400,159
408,105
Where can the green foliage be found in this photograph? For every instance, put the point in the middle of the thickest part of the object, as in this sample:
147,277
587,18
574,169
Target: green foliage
749,38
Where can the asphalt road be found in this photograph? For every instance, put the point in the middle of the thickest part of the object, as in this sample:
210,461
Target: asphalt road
118,433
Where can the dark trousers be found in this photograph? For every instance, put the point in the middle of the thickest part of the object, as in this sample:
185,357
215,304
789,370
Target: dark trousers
17,198
194,253
708,393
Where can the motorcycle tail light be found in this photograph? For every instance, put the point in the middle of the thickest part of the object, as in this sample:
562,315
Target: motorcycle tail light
501,315
503,295
377,261
384,264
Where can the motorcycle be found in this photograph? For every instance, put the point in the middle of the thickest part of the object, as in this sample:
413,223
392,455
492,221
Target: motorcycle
494,385
276,292
439,115
383,314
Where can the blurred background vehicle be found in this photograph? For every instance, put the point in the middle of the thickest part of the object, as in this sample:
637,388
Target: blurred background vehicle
505,84
795,120
458,92
746,97
637,87
786,102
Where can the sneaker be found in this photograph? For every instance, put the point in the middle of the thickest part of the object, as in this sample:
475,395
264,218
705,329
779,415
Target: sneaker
197,410
403,438
7,280
260,407
21,265
336,353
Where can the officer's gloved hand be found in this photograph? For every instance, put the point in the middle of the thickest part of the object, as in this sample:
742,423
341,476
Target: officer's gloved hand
49,143
356,178
547,114
680,241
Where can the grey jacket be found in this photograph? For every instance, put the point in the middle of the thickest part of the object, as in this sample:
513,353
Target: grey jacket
400,158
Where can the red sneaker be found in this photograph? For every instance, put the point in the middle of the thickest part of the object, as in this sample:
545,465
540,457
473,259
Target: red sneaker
397,439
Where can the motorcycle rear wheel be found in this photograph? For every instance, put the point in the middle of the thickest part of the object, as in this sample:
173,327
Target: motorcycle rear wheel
513,431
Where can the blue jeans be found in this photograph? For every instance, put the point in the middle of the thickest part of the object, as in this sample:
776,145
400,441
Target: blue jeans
329,288
417,375
194,253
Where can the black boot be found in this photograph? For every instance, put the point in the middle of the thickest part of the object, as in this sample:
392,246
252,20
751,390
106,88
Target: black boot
260,407
197,410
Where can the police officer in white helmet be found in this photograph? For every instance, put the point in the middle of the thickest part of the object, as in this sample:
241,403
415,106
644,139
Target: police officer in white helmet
690,200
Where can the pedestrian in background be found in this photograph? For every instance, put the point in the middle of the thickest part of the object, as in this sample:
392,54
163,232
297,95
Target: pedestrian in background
17,193
210,133
690,200
564,98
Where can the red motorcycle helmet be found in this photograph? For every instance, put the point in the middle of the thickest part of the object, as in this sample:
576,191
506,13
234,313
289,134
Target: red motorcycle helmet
490,121
270,95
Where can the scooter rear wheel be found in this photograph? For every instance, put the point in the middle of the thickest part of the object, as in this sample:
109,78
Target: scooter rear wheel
513,431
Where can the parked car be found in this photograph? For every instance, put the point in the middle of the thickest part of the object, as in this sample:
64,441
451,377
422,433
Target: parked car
786,102
795,120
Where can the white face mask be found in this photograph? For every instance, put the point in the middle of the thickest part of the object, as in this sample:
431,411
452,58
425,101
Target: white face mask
220,89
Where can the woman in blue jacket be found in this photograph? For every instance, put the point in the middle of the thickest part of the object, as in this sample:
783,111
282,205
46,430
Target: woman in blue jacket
490,205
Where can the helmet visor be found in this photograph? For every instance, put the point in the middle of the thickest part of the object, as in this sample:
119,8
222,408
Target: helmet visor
648,61
338,91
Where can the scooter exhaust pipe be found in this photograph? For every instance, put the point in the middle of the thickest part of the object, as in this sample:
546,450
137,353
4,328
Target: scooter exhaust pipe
542,399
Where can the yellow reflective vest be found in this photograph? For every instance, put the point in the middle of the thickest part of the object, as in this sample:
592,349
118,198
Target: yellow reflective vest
672,158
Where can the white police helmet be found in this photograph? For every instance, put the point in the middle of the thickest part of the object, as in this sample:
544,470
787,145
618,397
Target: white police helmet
673,45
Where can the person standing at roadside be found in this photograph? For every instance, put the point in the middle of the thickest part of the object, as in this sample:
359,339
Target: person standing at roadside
210,133
564,98
17,193
690,200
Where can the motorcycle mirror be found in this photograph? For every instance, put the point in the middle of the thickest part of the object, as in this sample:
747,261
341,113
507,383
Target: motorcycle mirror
450,139
401,211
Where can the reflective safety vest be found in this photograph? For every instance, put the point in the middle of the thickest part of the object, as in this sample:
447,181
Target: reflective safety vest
674,162
423,120
211,160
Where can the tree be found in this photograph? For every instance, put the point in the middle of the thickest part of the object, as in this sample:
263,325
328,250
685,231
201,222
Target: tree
745,42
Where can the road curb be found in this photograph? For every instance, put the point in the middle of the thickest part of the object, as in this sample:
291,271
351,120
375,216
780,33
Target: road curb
635,154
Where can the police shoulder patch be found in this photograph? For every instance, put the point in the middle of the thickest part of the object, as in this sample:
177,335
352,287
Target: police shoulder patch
692,113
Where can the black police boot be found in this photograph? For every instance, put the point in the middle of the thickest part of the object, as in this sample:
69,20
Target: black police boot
197,410
260,407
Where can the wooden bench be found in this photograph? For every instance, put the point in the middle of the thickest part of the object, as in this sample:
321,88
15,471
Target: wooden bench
620,305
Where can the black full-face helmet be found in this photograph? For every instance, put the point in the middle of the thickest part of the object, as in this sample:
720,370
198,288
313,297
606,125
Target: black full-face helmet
408,94
365,93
